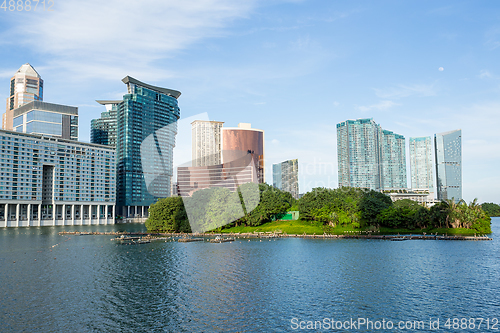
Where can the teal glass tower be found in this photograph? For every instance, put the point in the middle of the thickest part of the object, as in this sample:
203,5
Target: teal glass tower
370,157
448,150
103,130
145,131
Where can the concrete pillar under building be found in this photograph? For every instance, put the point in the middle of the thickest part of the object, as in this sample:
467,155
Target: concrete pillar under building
73,214
17,215
28,215
64,214
39,214
53,210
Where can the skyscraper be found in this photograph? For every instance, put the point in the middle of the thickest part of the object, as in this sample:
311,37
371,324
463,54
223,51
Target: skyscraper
286,177
38,117
103,130
448,151
25,86
146,125
206,142
369,157
244,139
358,153
421,164
393,161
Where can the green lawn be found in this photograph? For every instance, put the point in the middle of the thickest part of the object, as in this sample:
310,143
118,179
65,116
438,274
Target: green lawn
290,227
300,227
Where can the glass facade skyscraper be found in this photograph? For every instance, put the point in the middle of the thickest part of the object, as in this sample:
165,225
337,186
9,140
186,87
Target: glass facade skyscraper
369,157
422,177
448,151
146,128
103,130
286,177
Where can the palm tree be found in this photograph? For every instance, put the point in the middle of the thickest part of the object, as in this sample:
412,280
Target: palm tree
453,211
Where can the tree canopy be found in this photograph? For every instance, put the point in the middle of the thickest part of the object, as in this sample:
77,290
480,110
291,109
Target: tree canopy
491,208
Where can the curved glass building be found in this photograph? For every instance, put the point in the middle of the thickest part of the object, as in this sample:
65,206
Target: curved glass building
244,139
448,150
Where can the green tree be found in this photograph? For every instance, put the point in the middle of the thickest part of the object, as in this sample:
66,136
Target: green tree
372,204
167,215
491,208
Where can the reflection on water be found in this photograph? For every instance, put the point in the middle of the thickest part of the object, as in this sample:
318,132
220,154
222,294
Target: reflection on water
53,283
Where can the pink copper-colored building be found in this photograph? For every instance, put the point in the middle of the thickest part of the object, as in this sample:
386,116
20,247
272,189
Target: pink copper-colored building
244,139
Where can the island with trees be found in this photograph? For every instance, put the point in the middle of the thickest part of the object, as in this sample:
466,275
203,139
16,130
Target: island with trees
324,210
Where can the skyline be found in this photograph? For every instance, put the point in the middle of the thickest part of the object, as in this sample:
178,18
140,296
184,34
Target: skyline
291,68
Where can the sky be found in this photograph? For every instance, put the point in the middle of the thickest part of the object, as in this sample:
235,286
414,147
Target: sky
291,68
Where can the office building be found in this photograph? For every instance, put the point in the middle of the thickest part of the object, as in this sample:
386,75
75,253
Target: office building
369,157
244,139
206,142
422,176
103,130
38,117
25,86
393,160
47,181
228,175
448,154
145,131
286,177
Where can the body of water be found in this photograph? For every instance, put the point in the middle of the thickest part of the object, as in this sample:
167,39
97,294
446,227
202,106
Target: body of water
54,283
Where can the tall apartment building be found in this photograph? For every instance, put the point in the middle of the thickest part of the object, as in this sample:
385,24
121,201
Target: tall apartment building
38,117
393,161
146,125
286,177
422,177
25,86
369,157
206,142
47,181
244,139
448,152
103,130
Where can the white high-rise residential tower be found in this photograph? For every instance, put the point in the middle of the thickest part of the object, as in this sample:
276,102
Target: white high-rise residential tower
206,142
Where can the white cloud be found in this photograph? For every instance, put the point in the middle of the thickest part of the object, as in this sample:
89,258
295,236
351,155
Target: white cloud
383,105
106,39
407,90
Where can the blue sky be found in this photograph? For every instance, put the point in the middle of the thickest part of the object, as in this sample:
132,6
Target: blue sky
292,68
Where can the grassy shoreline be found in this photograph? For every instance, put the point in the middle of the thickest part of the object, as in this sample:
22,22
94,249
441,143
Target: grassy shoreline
300,227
